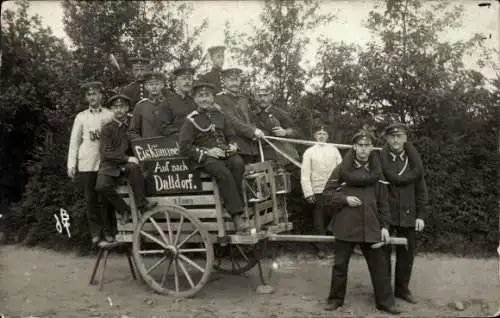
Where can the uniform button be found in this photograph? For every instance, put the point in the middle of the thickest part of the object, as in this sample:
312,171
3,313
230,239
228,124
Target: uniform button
407,211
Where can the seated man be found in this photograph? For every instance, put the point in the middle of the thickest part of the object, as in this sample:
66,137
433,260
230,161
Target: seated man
208,139
115,161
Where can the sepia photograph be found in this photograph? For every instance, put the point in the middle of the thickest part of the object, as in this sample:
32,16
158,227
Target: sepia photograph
249,158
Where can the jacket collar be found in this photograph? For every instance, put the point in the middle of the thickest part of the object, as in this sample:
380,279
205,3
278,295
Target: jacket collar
119,122
358,164
395,157
95,110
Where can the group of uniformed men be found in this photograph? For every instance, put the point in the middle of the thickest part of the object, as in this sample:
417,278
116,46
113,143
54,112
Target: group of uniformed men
366,197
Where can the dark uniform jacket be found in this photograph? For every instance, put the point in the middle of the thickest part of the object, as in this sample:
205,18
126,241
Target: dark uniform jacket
146,120
172,116
114,147
238,113
408,202
202,130
214,77
362,223
135,91
270,117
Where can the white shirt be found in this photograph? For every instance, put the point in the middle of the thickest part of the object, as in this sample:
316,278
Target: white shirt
83,150
317,165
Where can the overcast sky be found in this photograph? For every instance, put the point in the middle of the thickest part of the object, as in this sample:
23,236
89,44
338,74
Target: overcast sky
348,26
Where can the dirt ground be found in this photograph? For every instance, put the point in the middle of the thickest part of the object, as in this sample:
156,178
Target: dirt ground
42,283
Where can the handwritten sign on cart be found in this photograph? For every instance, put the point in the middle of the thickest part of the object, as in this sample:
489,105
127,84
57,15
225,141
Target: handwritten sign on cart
167,171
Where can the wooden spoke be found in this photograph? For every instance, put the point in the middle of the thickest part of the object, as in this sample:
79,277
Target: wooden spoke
176,277
192,250
187,238
155,265
159,229
190,262
154,239
186,273
179,230
144,252
165,273
242,253
169,227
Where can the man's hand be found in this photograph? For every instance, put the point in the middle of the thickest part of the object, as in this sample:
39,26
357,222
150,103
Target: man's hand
72,172
311,199
133,160
419,225
353,201
259,133
216,153
279,131
385,235
233,147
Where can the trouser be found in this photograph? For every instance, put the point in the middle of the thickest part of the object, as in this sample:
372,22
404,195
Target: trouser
375,258
100,217
320,218
106,187
6,194
404,259
228,174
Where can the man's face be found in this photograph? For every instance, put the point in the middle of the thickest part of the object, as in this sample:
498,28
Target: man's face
154,87
264,100
119,108
321,136
204,98
184,82
363,147
232,83
218,58
396,141
138,69
93,97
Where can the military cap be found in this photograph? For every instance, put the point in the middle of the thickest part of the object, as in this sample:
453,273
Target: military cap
264,90
363,134
92,85
139,60
394,128
118,96
149,76
184,69
232,72
218,48
204,86
320,127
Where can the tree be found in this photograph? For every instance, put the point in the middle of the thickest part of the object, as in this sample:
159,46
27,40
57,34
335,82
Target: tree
274,49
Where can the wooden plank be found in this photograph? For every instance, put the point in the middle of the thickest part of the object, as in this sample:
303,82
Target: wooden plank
183,200
207,213
206,186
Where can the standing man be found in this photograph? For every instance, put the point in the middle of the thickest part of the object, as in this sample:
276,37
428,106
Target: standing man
179,104
215,75
273,120
408,198
318,163
145,121
236,108
136,90
84,158
208,139
358,196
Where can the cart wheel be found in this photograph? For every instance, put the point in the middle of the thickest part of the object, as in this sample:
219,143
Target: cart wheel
173,251
237,259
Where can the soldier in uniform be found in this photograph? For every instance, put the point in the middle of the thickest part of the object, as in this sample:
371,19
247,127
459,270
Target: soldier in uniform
83,154
408,197
237,109
208,139
215,75
179,104
135,90
357,195
117,160
145,121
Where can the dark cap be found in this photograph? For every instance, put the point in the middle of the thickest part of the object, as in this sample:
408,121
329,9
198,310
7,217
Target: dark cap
320,127
182,70
150,76
139,60
118,96
215,49
395,128
95,85
198,86
232,72
363,133
264,90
